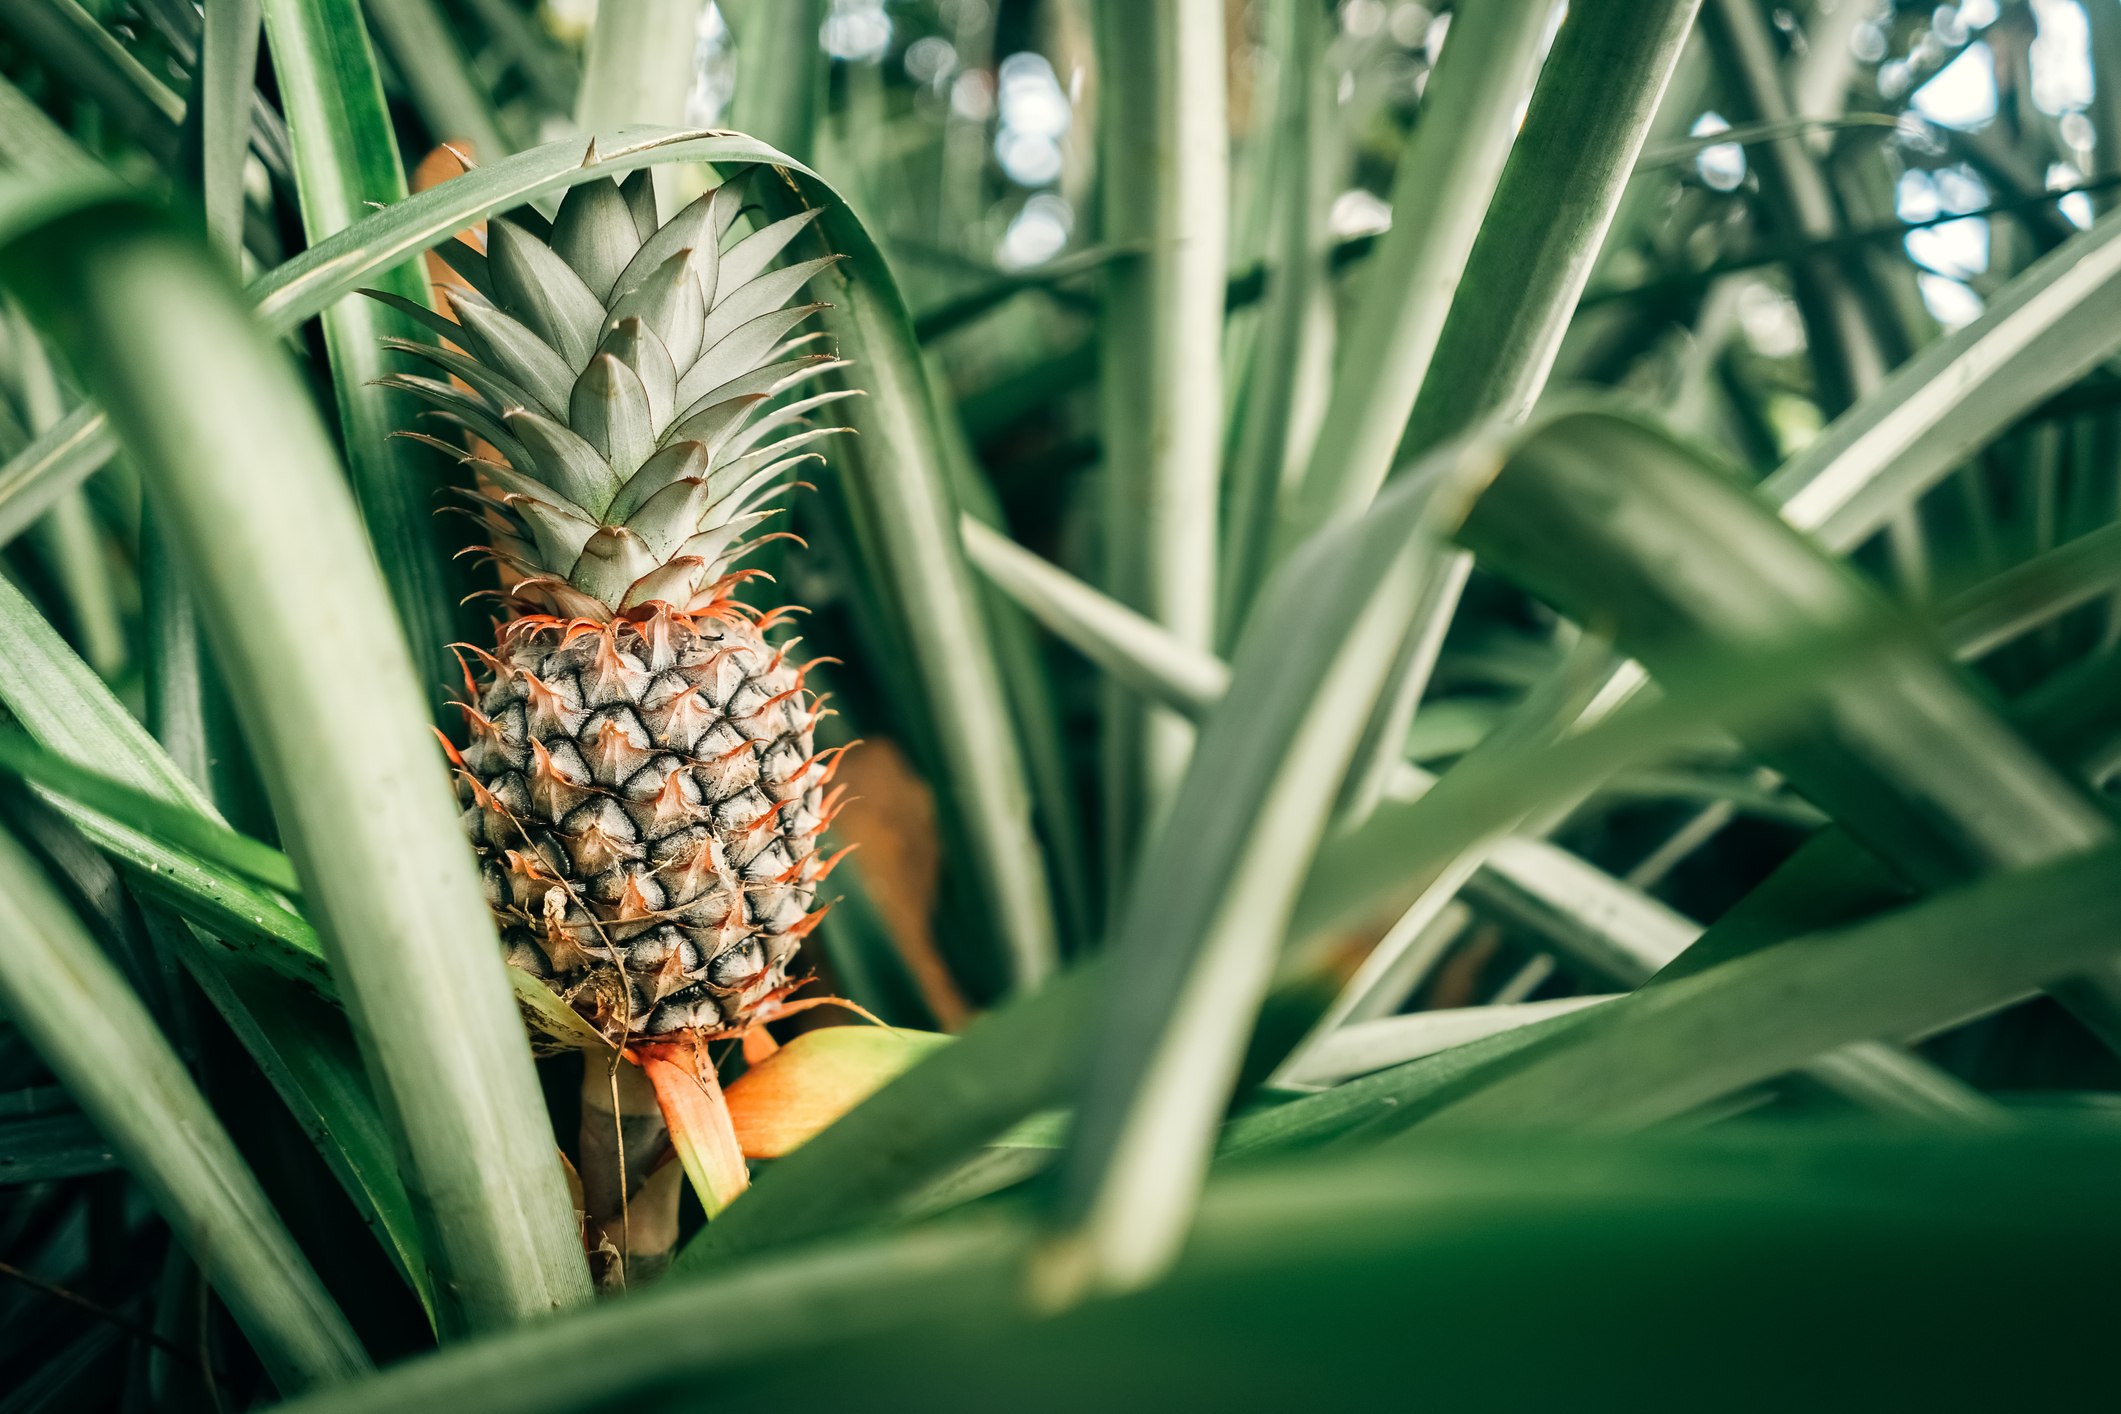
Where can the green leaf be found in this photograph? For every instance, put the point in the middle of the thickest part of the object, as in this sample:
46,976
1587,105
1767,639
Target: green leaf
1032,693
2042,331
781,76
1283,386
1140,653
1361,1047
76,46
1481,337
216,135
1991,614
1440,201
174,826
106,1049
452,99
67,708
1589,116
303,1045
894,475
1687,565
1163,197
32,143
346,163
289,1021
637,67
1671,1047
1193,949
1302,1279
1846,334
249,490
1604,926
44,1143
57,462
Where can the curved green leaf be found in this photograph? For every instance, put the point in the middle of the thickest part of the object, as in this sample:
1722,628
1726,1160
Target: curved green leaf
249,490
346,163
2041,332
104,1046
1194,946
171,825
1688,566
1608,928
1670,1047
1951,1257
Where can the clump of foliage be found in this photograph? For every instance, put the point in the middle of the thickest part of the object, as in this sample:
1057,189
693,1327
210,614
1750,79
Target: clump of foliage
1484,641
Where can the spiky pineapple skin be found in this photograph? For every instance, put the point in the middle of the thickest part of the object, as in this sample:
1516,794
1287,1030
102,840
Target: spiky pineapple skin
647,804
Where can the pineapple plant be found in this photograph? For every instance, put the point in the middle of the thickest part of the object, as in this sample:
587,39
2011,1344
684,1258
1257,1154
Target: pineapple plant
639,776
1318,957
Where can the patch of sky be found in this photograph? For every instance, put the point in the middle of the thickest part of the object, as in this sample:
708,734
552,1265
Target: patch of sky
1037,233
856,31
1721,165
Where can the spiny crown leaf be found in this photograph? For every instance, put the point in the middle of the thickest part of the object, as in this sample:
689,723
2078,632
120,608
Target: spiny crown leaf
630,373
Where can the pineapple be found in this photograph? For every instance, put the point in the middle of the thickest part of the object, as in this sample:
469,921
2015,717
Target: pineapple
639,781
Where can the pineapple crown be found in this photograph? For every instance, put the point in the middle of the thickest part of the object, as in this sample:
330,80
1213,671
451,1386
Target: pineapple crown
623,370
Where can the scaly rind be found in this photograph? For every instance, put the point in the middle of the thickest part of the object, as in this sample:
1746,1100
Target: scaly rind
648,802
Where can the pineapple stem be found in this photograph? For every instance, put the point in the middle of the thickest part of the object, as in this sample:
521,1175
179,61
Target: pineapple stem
631,1207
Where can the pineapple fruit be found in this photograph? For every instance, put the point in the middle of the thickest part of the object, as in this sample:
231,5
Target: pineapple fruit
639,780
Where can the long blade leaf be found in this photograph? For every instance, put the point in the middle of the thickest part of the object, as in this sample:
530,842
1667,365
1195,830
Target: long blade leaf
289,587
346,162
104,1046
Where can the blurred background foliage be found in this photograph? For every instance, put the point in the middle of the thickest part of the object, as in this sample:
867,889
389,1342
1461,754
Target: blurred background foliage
1824,190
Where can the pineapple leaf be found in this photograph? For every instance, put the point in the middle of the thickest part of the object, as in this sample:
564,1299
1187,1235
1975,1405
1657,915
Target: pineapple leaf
611,411
251,492
631,343
746,262
763,382
745,346
678,462
670,303
514,349
786,415
761,295
499,393
539,289
173,825
469,263
667,519
595,235
687,234
99,1039
565,462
